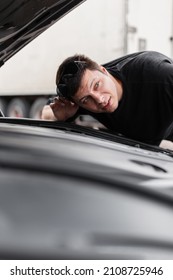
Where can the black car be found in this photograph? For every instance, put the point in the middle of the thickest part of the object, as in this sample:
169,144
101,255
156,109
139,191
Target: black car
73,192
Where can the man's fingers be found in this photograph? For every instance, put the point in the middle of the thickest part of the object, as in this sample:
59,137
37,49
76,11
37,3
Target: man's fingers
56,104
61,102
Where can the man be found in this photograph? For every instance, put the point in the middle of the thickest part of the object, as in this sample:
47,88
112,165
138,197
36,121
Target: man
132,95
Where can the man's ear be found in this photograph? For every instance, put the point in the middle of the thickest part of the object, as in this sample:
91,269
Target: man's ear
103,69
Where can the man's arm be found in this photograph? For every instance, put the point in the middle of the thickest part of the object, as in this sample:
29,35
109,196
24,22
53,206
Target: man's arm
166,144
47,114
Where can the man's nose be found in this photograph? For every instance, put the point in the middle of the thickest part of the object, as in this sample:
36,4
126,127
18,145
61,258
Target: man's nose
99,98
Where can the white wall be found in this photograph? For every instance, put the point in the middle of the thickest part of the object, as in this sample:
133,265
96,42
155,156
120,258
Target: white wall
153,22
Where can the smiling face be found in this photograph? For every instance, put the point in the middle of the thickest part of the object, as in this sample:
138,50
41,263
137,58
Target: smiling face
99,91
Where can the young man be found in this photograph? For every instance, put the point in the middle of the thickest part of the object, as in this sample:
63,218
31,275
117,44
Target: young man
132,95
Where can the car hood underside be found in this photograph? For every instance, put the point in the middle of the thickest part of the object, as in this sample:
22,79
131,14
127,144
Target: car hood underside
23,20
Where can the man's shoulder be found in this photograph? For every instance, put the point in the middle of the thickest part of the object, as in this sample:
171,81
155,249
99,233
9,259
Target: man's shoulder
137,57
124,58
150,62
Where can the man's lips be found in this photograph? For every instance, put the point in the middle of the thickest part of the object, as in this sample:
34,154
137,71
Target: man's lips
107,105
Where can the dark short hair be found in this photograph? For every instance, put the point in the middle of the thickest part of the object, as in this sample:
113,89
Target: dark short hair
70,73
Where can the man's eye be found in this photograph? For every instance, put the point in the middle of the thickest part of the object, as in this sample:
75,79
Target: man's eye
96,85
84,101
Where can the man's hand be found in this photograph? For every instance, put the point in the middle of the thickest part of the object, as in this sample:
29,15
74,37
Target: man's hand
61,109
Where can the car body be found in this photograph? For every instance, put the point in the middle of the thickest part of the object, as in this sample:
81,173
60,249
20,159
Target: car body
73,192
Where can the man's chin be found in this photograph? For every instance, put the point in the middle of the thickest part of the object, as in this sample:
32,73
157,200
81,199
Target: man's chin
113,108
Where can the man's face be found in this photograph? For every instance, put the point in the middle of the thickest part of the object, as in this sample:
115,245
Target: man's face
99,92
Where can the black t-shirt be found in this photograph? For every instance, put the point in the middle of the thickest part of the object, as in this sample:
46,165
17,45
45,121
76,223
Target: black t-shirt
146,109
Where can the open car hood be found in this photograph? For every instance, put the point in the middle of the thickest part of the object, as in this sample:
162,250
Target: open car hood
23,20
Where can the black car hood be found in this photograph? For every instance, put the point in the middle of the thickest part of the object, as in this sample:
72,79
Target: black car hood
23,20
